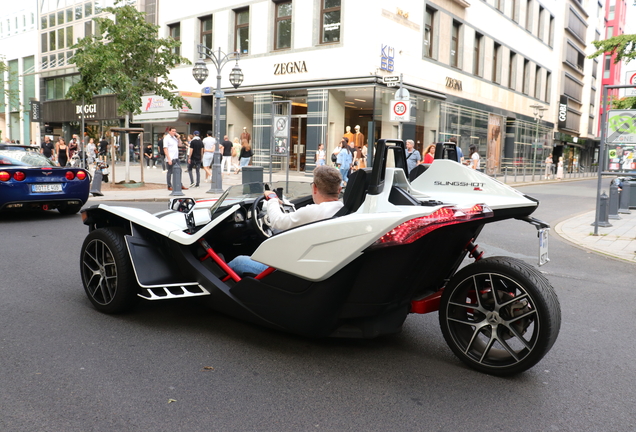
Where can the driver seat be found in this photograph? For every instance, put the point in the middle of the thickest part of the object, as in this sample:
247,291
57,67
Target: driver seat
355,192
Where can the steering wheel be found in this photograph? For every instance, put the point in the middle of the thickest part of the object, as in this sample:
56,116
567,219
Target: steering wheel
260,219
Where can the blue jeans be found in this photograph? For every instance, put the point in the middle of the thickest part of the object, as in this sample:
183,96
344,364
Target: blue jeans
244,161
244,264
320,162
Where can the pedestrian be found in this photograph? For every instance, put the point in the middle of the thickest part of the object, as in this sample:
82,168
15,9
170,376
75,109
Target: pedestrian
548,166
209,145
148,155
91,151
245,155
413,156
61,152
161,154
171,150
334,154
429,154
227,153
475,160
559,173
236,150
344,160
72,147
48,148
103,149
195,156
320,155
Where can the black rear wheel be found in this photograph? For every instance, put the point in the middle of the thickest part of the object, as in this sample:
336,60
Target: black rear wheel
500,315
107,272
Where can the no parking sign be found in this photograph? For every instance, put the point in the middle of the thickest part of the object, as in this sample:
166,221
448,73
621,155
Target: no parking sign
400,110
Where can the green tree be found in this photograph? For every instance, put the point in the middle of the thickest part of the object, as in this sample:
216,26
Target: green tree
127,58
624,46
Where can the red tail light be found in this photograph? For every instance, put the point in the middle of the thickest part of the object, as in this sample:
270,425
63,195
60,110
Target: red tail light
19,175
5,176
70,175
81,175
414,229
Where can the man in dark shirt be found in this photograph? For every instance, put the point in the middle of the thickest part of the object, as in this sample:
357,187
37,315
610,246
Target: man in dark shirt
195,155
103,149
227,153
47,148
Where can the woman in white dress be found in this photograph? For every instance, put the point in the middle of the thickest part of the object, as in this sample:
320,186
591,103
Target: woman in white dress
475,162
559,175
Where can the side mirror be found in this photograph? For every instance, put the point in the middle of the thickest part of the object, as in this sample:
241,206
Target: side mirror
182,205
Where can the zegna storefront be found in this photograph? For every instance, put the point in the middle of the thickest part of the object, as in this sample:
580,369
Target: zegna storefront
62,118
325,111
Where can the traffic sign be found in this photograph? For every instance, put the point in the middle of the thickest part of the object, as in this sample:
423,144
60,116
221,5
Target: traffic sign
391,79
400,110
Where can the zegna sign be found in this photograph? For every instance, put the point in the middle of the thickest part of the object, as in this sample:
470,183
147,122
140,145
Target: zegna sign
290,68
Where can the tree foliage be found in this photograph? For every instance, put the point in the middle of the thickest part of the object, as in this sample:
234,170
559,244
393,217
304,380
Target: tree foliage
127,58
624,47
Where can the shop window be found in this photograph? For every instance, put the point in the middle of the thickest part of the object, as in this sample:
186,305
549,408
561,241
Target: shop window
242,30
206,31
175,33
429,27
455,46
477,54
496,67
331,24
283,25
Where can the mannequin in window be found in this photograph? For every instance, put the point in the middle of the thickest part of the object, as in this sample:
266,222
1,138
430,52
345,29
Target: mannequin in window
358,138
348,134
245,135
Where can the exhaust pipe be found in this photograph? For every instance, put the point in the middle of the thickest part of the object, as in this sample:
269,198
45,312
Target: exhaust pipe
45,207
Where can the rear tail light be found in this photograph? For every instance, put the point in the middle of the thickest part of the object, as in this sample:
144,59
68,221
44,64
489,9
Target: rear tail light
81,175
414,229
70,175
19,175
5,176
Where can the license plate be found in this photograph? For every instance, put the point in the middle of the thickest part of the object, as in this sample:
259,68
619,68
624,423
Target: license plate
543,246
47,187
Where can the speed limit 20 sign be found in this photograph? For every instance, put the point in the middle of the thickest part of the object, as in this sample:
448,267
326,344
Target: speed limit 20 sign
400,110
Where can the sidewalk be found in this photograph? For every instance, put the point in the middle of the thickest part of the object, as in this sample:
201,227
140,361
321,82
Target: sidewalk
618,241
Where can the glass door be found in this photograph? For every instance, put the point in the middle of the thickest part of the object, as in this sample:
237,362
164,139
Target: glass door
298,147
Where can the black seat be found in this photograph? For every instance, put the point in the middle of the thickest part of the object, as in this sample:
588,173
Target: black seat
417,171
355,192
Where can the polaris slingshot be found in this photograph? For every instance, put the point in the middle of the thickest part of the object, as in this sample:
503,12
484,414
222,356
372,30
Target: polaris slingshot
394,249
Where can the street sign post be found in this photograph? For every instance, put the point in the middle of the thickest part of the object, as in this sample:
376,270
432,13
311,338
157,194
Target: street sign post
400,110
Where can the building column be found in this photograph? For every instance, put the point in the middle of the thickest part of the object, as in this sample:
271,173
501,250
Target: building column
262,129
317,110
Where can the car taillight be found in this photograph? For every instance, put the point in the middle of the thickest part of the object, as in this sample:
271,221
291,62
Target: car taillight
81,175
414,229
19,175
5,176
70,175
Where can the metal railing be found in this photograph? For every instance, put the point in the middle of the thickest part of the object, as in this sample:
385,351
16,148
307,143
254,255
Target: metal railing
520,172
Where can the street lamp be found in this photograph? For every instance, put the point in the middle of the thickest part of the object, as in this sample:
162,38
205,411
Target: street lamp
538,115
200,73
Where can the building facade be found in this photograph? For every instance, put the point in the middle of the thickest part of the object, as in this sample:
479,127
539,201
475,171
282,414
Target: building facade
18,49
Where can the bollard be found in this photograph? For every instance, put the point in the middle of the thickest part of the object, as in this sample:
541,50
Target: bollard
96,184
613,201
603,213
176,181
624,198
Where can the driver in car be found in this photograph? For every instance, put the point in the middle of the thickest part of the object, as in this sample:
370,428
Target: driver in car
325,190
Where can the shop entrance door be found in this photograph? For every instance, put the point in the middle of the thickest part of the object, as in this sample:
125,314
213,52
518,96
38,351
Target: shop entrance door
298,147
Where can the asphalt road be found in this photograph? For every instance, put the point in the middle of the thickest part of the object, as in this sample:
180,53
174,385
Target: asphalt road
177,366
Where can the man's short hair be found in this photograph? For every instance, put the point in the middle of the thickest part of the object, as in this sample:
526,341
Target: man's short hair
327,179
410,141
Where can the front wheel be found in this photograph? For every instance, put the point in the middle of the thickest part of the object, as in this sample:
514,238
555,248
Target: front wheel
500,315
107,272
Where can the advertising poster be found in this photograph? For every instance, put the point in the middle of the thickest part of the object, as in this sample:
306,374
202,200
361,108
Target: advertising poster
495,126
621,157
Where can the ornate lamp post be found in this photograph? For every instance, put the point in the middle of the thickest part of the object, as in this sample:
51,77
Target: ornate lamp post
200,73
538,115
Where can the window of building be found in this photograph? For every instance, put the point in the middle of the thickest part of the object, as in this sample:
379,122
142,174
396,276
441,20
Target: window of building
45,39
499,4
551,31
512,71
283,25
52,20
454,50
610,15
514,12
88,28
477,54
206,31
78,12
577,25
69,14
529,15
88,9
429,26
610,32
331,24
573,88
60,38
242,30
52,44
537,82
548,85
69,36
60,17
541,23
526,77
43,22
594,69
175,33
496,69
592,98
608,65
574,57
